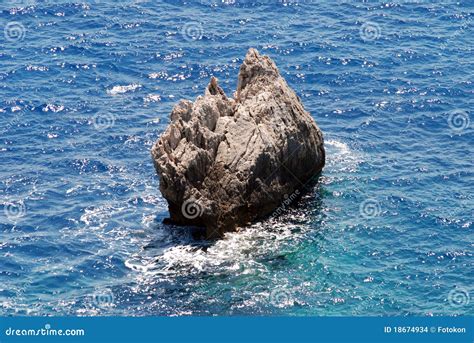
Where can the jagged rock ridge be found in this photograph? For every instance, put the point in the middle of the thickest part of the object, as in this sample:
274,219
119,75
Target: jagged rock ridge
225,162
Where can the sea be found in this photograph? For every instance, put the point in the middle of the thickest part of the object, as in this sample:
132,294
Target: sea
87,87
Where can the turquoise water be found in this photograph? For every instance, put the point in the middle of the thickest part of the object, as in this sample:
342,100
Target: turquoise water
87,87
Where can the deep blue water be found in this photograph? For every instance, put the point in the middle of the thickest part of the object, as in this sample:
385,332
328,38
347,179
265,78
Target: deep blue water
87,87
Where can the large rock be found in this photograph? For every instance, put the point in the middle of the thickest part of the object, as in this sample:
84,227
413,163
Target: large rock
225,162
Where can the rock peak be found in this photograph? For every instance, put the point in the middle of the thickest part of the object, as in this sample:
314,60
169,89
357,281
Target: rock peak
255,69
214,89
224,163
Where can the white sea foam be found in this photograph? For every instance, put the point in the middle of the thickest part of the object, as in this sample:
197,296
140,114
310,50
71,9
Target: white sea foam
53,108
152,98
237,251
340,157
123,89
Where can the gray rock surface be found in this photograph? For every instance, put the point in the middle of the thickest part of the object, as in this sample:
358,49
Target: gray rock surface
225,162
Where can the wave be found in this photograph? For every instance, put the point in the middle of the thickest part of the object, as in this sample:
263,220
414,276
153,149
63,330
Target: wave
123,89
341,158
